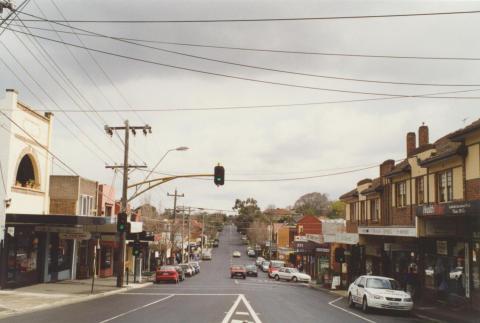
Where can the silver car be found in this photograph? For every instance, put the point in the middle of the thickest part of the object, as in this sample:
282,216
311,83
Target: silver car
265,266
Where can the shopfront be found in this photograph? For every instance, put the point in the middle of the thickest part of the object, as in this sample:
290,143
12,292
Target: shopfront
450,248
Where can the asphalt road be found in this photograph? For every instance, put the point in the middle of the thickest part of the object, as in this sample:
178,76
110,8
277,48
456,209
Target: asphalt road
213,297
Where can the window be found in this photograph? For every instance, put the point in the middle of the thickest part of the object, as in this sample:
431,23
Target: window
401,194
362,211
353,215
420,190
26,174
86,205
375,210
445,186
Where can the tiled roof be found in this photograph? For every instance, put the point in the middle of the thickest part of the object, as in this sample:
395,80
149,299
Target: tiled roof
456,135
445,148
352,193
399,168
375,187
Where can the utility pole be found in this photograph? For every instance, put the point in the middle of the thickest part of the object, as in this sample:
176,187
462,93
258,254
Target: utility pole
183,235
126,167
203,228
172,235
188,239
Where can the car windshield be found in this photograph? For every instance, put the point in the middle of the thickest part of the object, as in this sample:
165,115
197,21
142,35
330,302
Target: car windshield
293,270
250,266
266,263
167,268
381,283
238,268
277,264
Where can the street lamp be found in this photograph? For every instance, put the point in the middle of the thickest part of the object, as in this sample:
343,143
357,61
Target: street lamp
181,148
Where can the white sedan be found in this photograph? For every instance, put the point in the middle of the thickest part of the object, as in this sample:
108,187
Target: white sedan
291,274
378,292
236,254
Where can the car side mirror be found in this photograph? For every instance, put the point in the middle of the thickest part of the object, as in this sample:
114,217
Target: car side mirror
360,285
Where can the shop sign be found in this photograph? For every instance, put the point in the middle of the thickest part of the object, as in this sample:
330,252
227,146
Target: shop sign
109,237
58,229
300,239
388,231
318,238
344,238
442,247
449,209
11,231
322,249
75,236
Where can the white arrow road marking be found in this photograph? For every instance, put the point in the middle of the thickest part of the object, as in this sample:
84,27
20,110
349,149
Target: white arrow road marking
251,312
136,309
241,313
349,312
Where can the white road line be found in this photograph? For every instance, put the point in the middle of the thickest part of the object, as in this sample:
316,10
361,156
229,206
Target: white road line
236,282
136,309
179,294
232,309
241,313
250,309
347,311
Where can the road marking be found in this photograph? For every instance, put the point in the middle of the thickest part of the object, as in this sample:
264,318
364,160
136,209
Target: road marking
136,309
251,312
241,313
347,311
179,294
236,281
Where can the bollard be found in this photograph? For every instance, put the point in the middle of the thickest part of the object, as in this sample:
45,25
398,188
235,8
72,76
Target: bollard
127,274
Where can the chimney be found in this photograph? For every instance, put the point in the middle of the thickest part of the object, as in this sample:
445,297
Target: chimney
423,135
386,167
411,143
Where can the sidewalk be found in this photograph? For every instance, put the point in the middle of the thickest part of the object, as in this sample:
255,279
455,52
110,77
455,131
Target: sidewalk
339,292
49,295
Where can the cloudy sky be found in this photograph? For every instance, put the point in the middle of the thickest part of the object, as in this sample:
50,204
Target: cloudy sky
253,144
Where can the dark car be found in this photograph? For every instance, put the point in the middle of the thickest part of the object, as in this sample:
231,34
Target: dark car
181,273
252,270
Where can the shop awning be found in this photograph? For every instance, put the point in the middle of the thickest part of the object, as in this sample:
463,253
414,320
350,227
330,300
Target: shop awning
67,220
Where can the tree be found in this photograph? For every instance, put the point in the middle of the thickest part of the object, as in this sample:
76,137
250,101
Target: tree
313,204
337,210
258,232
248,211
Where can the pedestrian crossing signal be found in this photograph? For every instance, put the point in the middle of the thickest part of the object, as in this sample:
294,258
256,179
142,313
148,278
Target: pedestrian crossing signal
137,249
122,223
219,175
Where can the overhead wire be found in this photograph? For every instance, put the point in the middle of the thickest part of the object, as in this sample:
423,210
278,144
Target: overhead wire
397,15
234,76
266,50
276,70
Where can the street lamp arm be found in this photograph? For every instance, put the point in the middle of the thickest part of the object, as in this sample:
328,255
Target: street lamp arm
158,181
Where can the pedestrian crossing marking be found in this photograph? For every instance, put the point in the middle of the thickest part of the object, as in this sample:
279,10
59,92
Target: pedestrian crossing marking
241,313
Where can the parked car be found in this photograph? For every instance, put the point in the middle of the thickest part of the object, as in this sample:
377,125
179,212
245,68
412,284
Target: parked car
194,271
292,274
251,253
251,270
265,265
215,243
274,266
181,273
236,254
378,292
166,273
259,261
187,269
196,266
207,254
238,270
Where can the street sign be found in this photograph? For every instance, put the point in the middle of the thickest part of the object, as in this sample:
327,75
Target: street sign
75,236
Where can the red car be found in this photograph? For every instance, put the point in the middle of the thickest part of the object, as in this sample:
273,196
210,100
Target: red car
238,271
167,273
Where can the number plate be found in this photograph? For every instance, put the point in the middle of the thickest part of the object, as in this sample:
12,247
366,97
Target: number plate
393,303
165,274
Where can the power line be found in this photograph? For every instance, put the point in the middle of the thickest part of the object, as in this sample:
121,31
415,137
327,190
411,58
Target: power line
399,15
267,50
261,67
226,75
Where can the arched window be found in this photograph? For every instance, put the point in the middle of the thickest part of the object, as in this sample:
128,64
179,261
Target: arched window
26,173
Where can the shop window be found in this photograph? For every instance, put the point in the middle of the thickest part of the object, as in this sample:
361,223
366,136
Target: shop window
108,210
420,190
86,205
26,174
107,258
445,186
401,194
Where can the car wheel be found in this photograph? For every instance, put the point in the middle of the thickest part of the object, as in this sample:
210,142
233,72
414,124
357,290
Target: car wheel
294,279
351,304
365,305
244,277
277,277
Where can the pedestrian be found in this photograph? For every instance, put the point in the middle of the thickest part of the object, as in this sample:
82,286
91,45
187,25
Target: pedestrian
410,282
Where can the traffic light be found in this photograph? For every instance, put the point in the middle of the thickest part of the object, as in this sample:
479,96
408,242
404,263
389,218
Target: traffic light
137,249
219,175
122,223
340,255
